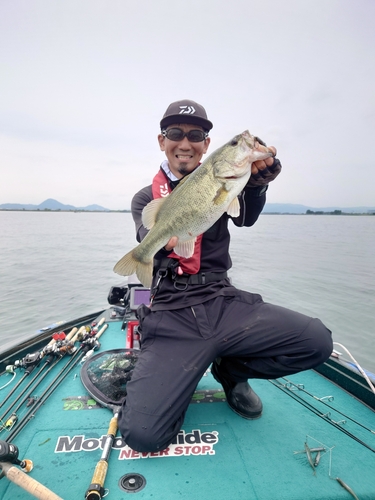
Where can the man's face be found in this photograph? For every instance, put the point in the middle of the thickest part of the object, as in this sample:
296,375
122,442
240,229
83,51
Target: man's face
183,156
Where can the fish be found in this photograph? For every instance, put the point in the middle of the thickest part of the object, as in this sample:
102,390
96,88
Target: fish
197,202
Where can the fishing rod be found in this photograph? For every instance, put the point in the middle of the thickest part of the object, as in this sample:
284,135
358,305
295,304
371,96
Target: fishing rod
317,412
9,457
96,489
322,400
31,361
27,483
53,351
13,418
89,343
109,371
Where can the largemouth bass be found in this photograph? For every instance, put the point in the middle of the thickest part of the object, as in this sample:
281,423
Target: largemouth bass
198,201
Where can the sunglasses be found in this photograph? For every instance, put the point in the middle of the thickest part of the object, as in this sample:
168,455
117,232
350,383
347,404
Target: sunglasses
176,134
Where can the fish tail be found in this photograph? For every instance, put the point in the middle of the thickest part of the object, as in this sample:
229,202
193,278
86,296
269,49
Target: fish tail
129,265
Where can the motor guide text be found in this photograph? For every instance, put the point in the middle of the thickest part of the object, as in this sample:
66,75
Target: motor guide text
191,443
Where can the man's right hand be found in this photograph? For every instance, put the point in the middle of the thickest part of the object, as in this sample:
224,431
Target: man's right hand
171,243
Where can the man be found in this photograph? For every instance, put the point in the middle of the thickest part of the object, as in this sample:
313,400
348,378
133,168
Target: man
197,316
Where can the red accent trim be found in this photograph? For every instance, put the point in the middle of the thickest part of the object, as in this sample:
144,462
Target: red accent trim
130,335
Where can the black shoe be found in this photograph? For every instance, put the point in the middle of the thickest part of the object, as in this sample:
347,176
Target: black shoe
240,396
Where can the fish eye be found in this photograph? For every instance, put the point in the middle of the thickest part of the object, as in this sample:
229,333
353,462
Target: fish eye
234,142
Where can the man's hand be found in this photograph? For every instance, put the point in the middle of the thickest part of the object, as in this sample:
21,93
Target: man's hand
264,171
171,243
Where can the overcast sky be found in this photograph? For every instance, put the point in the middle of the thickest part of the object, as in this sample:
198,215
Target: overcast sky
84,84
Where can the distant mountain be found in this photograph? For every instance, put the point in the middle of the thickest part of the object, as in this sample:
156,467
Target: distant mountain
51,204
289,208
278,208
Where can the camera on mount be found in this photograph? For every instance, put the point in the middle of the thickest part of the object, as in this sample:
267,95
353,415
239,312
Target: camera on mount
129,295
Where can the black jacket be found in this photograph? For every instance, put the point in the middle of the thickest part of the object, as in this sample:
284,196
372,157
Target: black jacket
214,252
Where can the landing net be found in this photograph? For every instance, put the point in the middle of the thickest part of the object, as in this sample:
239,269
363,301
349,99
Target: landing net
106,375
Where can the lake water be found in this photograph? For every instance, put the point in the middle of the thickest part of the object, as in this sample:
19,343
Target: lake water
58,266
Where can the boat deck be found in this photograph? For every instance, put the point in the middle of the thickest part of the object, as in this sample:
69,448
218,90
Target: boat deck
218,455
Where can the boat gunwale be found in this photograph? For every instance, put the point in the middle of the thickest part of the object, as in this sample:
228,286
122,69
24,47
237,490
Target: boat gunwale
338,371
38,341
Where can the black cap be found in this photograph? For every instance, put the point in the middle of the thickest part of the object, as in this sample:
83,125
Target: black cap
186,111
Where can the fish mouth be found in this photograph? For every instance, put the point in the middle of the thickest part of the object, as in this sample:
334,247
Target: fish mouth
238,176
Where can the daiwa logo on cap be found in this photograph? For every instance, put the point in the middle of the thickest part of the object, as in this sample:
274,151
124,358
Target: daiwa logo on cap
187,110
190,111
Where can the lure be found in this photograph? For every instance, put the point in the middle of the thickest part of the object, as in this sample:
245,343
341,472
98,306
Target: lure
44,442
309,457
317,459
313,450
347,488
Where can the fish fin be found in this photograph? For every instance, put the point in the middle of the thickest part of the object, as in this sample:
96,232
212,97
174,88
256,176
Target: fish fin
129,265
150,212
221,196
234,208
185,248
144,273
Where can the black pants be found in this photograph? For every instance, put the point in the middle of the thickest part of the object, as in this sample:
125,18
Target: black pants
253,338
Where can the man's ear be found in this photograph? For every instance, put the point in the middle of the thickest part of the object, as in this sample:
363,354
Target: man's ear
161,140
206,144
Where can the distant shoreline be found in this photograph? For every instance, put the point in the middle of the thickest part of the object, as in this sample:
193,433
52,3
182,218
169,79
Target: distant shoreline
309,212
60,210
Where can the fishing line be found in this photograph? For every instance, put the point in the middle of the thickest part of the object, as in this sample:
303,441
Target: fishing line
14,389
11,380
358,366
27,387
31,361
12,420
45,395
321,400
335,478
83,349
88,343
312,408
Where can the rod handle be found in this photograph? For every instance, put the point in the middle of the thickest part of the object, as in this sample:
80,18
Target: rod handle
101,331
81,330
101,321
96,490
72,332
27,483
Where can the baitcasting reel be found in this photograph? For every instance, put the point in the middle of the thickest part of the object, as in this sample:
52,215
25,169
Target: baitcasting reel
9,453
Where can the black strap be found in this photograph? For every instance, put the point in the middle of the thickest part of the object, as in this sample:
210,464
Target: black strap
168,266
203,278
181,282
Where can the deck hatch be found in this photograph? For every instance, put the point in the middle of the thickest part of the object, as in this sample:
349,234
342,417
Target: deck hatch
132,483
